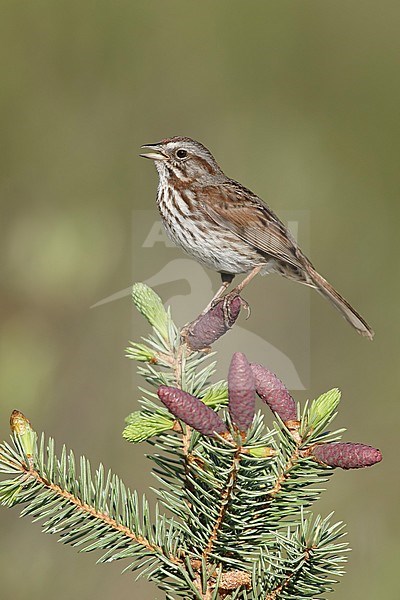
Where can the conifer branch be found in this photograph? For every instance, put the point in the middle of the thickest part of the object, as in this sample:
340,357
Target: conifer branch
225,497
239,490
284,474
273,594
91,511
94,513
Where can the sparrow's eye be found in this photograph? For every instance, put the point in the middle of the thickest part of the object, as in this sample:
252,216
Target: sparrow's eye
181,153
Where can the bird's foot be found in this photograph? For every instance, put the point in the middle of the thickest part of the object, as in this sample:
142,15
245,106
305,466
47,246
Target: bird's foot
227,303
208,327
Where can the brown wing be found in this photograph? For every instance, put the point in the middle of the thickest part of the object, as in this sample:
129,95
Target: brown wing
234,207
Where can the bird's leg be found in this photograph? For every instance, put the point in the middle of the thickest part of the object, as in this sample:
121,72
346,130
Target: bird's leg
236,290
227,279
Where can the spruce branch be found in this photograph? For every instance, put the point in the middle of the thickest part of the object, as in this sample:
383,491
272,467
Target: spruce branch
93,513
237,488
225,497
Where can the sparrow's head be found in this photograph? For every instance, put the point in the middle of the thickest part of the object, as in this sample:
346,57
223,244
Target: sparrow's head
184,159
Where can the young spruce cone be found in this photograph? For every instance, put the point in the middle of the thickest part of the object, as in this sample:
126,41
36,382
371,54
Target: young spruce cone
273,392
208,328
191,411
346,455
241,390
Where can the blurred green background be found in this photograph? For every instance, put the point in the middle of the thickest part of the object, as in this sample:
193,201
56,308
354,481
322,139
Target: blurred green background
299,101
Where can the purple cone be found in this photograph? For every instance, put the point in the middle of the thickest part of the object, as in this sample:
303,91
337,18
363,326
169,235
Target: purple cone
346,455
208,328
241,389
191,411
273,392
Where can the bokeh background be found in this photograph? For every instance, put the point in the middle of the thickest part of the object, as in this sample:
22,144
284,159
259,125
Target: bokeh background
299,101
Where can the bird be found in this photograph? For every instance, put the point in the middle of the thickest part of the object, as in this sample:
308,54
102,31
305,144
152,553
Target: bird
227,227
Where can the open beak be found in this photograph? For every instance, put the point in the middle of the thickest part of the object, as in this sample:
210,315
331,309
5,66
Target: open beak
157,153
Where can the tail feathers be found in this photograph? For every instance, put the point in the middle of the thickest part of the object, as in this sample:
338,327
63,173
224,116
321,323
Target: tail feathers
340,303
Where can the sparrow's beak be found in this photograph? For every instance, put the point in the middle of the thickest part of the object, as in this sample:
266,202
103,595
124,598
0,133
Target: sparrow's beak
157,153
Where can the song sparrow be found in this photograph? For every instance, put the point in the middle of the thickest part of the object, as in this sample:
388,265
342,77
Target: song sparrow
226,227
